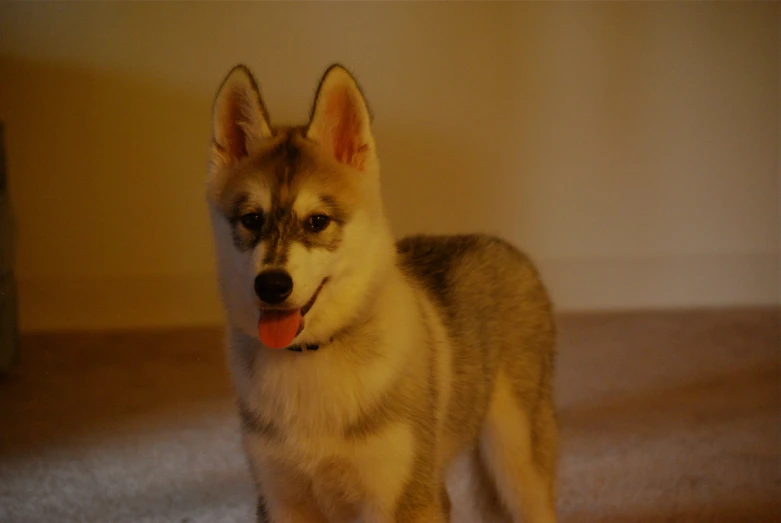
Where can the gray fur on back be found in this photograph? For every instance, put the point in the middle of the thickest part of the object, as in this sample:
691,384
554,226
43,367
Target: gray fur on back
497,313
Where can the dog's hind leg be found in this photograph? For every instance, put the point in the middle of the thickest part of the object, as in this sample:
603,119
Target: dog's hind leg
472,490
519,450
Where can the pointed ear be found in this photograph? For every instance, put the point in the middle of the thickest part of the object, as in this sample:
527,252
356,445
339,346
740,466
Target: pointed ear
340,120
239,119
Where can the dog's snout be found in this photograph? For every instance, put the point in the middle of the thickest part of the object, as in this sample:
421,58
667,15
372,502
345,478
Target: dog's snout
273,286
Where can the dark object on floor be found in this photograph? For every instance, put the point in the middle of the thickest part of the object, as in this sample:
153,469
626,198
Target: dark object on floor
9,338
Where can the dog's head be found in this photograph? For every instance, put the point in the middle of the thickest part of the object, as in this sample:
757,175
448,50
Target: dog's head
298,224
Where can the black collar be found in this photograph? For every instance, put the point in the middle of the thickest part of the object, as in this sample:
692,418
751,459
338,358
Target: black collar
302,348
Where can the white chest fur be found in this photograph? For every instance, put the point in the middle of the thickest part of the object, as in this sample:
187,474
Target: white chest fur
310,398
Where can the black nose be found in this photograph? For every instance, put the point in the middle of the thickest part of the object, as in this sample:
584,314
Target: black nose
273,286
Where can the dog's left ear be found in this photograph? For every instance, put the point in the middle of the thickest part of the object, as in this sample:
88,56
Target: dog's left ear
239,119
340,120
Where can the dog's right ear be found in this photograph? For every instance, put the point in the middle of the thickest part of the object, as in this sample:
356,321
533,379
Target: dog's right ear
341,122
239,119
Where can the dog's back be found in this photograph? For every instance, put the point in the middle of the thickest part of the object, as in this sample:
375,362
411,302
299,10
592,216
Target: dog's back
501,332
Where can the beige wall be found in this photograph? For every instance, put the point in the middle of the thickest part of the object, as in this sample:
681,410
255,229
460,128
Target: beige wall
632,149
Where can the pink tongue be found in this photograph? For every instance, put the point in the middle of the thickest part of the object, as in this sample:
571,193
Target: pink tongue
277,329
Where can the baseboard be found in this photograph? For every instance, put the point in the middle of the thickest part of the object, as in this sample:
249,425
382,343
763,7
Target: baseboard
576,285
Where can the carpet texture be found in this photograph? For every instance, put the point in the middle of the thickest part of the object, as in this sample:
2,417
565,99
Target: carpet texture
664,417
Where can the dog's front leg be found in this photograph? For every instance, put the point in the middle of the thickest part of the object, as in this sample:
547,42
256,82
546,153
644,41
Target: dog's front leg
282,497
433,513
435,508
285,512
429,507
286,499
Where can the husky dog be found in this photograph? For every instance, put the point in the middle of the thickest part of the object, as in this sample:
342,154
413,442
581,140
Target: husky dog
367,369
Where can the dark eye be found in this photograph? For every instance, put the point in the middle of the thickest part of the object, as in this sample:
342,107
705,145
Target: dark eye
318,222
252,221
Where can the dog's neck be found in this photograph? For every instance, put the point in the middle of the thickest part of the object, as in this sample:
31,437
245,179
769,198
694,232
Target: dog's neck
390,275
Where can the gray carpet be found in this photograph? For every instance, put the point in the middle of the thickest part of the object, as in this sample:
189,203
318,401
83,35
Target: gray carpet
665,417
